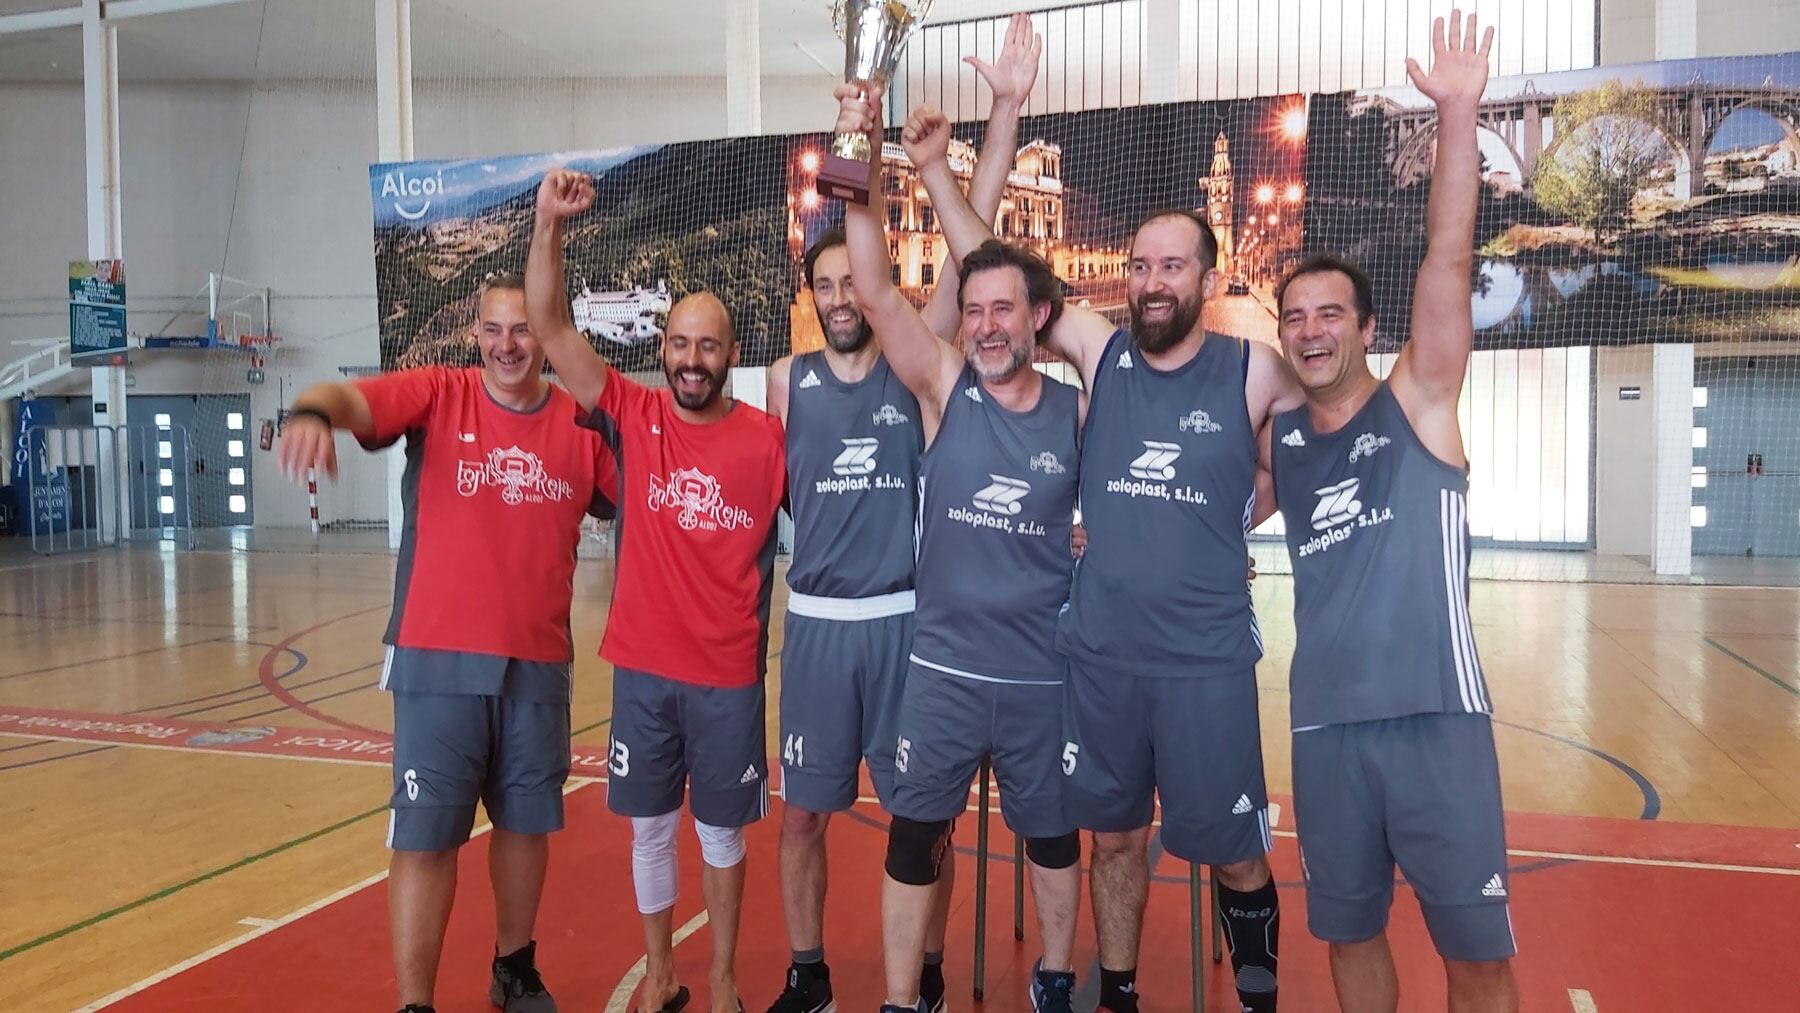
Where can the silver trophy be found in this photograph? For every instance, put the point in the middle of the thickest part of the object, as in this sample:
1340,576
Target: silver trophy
874,33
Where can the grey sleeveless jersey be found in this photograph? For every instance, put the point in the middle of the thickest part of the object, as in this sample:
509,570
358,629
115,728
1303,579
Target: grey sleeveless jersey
853,463
1167,480
997,503
1379,535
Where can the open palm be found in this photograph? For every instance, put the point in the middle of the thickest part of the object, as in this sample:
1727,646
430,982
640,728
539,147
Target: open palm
1459,67
1015,70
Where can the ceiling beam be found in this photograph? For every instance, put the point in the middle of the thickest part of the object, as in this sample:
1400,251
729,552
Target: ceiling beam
114,10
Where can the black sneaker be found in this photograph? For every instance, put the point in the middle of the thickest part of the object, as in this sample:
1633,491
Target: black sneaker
931,989
415,1007
918,1007
517,987
806,992
1052,991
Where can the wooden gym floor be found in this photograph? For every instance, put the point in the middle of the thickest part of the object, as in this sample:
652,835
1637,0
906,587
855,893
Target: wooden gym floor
193,752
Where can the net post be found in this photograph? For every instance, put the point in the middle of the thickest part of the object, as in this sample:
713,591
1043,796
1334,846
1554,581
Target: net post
981,857
1198,956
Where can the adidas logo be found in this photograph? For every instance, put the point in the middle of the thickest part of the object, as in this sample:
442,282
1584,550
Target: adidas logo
1243,806
811,379
974,395
1494,887
750,775
1124,360
1294,439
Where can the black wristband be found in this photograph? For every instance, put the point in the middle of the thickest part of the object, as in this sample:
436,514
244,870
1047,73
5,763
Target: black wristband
294,413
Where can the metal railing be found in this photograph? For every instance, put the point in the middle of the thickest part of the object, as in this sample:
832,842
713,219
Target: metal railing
76,499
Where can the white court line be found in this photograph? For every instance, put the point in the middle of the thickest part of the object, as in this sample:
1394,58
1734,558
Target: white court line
621,997
1582,1001
257,923
269,925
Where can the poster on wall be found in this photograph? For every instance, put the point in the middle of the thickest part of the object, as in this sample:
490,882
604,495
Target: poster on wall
667,220
97,312
1079,185
1645,203
42,487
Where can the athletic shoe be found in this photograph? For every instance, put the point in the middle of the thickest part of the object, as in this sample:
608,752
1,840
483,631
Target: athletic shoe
517,987
1051,991
805,992
416,1007
918,1007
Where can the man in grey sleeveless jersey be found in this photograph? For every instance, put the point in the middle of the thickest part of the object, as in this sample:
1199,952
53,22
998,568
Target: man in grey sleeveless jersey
853,443
1161,642
1393,744
997,503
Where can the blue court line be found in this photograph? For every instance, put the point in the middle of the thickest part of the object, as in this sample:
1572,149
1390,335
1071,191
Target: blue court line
1751,665
116,657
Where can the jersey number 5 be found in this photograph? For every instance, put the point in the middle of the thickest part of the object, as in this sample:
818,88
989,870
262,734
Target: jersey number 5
1070,751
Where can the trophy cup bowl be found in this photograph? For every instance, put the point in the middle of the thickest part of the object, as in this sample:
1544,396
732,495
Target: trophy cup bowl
874,33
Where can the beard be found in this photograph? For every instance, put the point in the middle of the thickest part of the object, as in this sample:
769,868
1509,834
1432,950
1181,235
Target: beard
714,386
1016,359
1164,335
852,337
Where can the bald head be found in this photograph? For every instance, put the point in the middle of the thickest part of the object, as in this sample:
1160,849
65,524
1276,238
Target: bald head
701,314
698,351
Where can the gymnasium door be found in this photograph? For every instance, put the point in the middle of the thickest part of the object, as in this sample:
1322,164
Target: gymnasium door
1747,476
215,478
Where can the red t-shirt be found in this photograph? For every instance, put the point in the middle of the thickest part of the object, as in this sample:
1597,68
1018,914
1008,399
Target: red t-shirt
696,536
493,499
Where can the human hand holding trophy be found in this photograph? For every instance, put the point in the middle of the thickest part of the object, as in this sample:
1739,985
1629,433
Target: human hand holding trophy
874,33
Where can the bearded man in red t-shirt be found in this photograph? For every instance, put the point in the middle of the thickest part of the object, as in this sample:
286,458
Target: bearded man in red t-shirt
497,479
701,477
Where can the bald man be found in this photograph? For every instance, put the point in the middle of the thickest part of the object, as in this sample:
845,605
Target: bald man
701,477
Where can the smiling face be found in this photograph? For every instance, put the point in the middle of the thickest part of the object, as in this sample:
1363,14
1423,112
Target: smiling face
511,358
1320,333
999,323
842,320
1168,281
698,351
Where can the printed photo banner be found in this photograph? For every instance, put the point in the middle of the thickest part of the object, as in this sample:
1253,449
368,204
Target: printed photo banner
1658,202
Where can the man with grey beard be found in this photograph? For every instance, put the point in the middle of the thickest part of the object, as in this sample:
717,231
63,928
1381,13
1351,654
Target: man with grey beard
854,438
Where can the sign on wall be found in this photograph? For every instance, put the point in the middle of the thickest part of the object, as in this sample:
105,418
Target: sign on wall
97,312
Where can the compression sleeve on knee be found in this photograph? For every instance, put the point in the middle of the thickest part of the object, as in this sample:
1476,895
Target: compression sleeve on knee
915,852
722,847
1054,852
653,870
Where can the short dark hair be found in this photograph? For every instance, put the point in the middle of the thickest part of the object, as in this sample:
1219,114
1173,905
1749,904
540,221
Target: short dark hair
832,237
1041,283
1331,263
510,281
1209,242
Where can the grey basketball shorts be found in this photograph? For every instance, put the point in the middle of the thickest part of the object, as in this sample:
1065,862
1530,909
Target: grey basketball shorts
452,750
948,724
1195,742
841,683
672,738
1422,792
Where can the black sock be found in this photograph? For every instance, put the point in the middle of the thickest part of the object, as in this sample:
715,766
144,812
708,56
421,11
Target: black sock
519,959
1252,930
931,977
1118,990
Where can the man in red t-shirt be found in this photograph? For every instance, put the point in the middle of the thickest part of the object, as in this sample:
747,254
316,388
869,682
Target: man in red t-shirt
497,479
701,478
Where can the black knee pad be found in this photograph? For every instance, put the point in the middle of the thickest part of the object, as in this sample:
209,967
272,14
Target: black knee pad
1054,852
915,852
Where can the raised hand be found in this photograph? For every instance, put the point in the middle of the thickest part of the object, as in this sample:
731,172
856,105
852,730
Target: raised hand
306,443
926,136
564,193
859,110
1459,68
1015,70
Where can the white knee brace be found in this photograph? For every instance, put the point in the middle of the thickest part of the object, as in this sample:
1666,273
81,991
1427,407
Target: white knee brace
722,847
653,869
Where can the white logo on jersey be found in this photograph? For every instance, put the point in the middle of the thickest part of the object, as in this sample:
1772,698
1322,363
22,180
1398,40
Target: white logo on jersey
1197,421
1157,462
1047,463
466,437
890,416
858,457
1002,495
1366,445
1242,807
519,474
1294,439
1337,503
1494,887
750,775
974,395
811,379
701,502
655,430
1124,360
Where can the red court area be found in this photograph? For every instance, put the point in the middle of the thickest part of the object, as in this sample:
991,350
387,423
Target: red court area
1656,916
